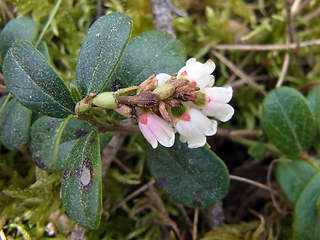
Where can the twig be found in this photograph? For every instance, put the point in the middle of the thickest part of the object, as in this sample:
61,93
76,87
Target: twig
157,201
241,66
245,77
162,17
122,166
110,151
312,14
257,184
270,169
295,7
214,215
118,128
267,47
184,213
195,224
289,39
99,9
226,133
77,233
134,194
174,9
5,11
299,7
284,70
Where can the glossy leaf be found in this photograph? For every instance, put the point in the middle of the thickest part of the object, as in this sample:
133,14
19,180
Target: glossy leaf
101,51
52,140
306,219
293,176
23,28
34,83
150,53
15,122
288,121
193,177
81,183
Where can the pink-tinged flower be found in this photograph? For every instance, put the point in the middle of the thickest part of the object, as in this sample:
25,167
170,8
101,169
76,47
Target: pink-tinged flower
155,130
194,126
197,72
162,78
216,103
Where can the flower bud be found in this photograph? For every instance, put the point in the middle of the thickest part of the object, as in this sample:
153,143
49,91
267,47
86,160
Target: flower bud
82,107
164,91
105,100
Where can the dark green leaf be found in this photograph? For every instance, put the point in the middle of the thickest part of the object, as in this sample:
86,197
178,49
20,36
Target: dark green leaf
288,121
52,140
306,221
23,28
34,83
15,122
293,176
150,53
193,177
101,51
81,183
45,139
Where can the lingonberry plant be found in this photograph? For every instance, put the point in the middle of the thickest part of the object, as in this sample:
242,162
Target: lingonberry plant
147,84
163,93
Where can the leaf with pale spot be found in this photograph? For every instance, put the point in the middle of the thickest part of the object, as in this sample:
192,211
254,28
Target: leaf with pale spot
81,183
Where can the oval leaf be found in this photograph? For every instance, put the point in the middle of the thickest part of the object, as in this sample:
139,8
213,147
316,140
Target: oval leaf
306,221
288,121
23,28
81,183
292,176
101,51
193,177
15,122
150,53
34,83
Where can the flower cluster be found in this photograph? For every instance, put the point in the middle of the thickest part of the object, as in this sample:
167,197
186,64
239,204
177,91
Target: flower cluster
187,104
163,105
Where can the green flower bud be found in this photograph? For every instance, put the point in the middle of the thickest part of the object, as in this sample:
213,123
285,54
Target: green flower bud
105,100
164,91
